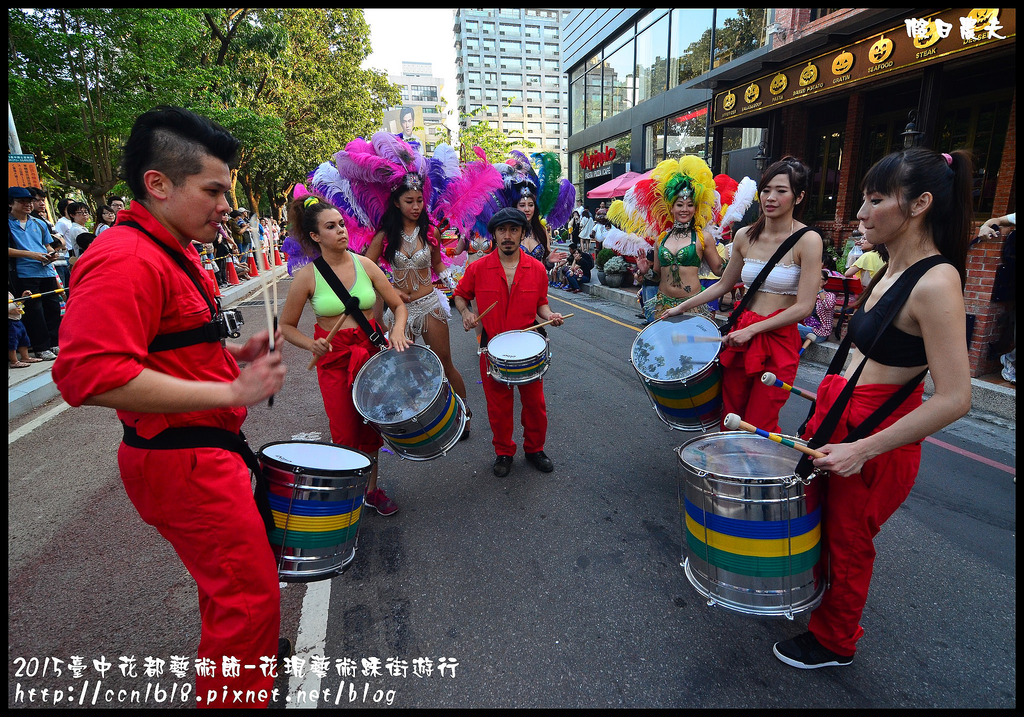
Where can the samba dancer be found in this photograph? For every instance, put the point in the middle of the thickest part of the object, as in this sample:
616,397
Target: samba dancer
917,203
518,284
764,335
320,230
682,192
178,390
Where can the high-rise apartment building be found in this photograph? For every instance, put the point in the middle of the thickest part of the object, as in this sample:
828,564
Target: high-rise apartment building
421,92
507,62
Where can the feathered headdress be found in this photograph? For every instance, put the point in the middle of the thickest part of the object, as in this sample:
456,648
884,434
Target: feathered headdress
743,197
628,233
554,197
690,177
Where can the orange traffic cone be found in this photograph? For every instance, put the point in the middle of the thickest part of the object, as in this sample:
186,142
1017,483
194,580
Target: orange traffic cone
277,257
216,286
232,274
266,263
253,270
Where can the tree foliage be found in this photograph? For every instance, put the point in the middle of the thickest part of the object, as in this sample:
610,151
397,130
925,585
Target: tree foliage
494,142
286,82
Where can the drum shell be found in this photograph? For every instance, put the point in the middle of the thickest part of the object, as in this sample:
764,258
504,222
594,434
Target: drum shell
316,515
435,428
752,544
525,369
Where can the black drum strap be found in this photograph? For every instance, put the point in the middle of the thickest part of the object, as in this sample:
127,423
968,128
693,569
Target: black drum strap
209,437
350,302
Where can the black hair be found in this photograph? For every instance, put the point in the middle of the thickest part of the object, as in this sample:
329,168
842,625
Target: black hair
392,223
84,240
908,174
407,110
99,215
75,207
537,229
174,141
62,206
37,193
114,198
799,178
304,219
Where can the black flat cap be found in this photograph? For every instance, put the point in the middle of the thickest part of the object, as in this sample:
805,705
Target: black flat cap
508,215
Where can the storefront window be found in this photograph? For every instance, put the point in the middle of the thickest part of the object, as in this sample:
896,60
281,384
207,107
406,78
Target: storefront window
685,133
576,103
652,60
618,80
654,144
825,165
979,126
690,54
737,32
623,145
593,97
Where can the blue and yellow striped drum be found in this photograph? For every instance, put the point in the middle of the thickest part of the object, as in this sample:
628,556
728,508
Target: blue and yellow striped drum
751,529
316,498
517,357
677,361
406,397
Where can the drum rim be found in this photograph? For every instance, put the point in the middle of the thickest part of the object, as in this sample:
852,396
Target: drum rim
413,347
326,472
545,339
632,348
779,479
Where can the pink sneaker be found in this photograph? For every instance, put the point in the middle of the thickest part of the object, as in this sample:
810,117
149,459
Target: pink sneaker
379,501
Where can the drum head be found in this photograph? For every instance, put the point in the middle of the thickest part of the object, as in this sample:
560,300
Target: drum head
394,386
661,353
513,345
315,457
739,455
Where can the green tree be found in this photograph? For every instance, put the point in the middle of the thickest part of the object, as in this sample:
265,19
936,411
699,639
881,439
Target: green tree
493,141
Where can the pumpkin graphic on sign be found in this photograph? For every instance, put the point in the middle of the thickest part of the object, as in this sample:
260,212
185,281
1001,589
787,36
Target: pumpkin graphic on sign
929,38
809,75
779,83
881,50
752,93
729,102
843,63
983,17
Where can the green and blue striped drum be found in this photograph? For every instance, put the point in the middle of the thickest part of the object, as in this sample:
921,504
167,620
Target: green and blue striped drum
406,397
517,357
676,359
751,529
316,498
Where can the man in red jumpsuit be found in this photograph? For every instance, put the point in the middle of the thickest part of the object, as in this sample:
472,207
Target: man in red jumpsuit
517,284
143,335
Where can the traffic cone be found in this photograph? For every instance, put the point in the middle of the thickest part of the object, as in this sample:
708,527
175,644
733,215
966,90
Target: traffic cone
266,262
232,274
277,257
253,270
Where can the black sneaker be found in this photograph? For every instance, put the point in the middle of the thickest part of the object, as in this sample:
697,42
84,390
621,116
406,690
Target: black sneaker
806,653
540,461
502,465
284,649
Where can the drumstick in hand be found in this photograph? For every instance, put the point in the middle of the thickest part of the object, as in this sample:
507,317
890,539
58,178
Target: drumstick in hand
688,339
330,337
486,310
770,379
544,323
808,340
733,422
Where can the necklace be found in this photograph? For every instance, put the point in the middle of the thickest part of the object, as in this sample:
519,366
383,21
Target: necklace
410,239
681,227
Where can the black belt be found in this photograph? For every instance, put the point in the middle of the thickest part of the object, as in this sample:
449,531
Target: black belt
208,437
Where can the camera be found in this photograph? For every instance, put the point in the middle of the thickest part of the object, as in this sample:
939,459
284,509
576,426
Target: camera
228,323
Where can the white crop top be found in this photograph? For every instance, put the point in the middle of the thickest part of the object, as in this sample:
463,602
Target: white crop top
783,278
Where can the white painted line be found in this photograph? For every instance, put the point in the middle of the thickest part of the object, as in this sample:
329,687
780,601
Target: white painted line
36,422
311,640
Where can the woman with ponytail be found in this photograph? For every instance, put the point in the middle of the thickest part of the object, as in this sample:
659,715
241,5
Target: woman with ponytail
318,228
869,420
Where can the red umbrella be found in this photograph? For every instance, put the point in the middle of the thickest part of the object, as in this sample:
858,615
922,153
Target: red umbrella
615,187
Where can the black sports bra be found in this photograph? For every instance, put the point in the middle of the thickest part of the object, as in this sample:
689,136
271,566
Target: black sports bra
894,347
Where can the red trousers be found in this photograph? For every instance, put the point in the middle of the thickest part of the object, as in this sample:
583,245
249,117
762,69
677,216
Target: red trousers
200,500
336,371
500,406
856,506
743,393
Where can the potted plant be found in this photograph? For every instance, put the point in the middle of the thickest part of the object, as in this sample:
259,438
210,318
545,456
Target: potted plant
615,271
603,256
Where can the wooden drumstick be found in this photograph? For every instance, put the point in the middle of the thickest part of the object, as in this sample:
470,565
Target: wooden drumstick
733,422
769,379
688,339
484,312
808,340
544,323
330,337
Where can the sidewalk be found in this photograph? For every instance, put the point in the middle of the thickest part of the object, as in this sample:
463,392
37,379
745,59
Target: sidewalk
29,388
992,398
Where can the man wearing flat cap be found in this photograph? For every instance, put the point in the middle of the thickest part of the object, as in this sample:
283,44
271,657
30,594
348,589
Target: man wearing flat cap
517,285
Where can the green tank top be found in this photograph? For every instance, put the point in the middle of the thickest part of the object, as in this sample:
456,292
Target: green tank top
687,256
326,303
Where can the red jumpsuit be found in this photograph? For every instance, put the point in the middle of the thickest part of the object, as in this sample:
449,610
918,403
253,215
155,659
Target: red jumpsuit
336,371
516,309
856,506
743,393
126,290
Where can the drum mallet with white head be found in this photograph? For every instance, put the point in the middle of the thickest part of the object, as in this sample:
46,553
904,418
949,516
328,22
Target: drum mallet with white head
733,422
768,379
808,340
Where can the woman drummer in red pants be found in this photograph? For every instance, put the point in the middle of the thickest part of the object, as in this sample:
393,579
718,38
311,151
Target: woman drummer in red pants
917,203
319,229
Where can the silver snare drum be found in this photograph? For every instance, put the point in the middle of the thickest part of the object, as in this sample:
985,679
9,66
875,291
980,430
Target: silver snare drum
516,357
751,531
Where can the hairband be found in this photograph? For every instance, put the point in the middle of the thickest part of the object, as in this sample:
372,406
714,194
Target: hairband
525,191
948,158
310,201
412,181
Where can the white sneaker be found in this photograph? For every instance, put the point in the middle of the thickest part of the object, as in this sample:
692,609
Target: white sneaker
45,355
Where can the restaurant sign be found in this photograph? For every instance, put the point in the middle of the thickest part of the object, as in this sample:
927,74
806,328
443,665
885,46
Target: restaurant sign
917,41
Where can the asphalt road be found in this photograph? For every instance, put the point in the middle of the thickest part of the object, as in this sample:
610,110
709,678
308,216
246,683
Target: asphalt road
534,590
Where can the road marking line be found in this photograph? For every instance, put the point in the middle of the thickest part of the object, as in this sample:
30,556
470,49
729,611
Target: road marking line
36,423
311,639
981,459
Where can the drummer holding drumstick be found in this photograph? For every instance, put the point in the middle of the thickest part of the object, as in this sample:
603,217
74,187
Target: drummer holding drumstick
517,285
320,230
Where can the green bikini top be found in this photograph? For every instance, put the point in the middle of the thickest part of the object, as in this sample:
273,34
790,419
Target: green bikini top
326,303
687,256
